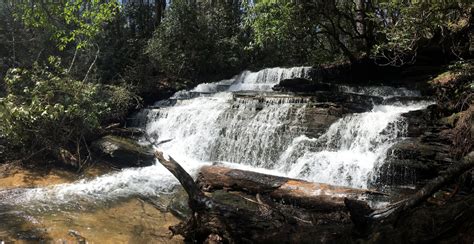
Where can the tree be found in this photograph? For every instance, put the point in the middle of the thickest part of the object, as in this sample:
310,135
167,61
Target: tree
20,46
405,27
195,39
272,31
289,33
72,26
69,21
388,31
47,108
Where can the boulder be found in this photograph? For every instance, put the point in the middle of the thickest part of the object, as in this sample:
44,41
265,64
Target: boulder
123,151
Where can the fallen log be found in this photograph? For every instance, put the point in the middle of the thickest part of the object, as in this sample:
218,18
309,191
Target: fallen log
196,197
236,206
316,196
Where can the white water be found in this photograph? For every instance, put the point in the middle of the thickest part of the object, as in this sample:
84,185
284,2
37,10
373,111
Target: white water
261,133
262,80
352,149
379,91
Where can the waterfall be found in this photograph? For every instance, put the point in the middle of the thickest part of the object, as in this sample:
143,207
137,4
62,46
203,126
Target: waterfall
262,80
246,131
241,124
352,149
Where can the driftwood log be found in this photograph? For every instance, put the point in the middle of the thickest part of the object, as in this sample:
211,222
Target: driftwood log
237,206
311,195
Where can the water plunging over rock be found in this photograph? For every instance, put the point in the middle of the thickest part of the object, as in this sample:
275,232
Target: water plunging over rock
328,136
351,150
311,137
262,80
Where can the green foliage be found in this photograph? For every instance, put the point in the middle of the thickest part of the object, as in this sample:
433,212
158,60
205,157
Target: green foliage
20,46
401,27
308,32
271,24
180,45
46,109
69,21
226,38
286,33
122,43
194,40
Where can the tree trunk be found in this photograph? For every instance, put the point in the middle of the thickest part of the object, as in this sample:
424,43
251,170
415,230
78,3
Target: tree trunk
364,26
297,192
261,208
160,6
236,206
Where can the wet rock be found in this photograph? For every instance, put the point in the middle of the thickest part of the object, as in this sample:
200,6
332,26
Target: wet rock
403,100
129,132
450,222
175,203
424,154
311,113
123,151
302,85
425,122
318,118
352,103
79,238
179,206
419,158
416,160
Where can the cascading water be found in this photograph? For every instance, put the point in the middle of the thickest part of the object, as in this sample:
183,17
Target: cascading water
246,131
352,149
379,91
257,130
262,80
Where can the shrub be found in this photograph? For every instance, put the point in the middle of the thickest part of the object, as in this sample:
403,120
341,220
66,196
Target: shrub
45,109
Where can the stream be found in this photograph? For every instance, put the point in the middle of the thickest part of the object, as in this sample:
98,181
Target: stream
240,123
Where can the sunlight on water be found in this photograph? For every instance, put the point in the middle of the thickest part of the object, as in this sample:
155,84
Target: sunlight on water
352,149
262,134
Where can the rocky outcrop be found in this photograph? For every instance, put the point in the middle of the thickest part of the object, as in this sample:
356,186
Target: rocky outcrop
425,153
302,85
123,152
413,161
313,113
353,103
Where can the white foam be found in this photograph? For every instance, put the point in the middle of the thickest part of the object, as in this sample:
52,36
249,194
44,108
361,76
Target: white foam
263,134
352,149
380,91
